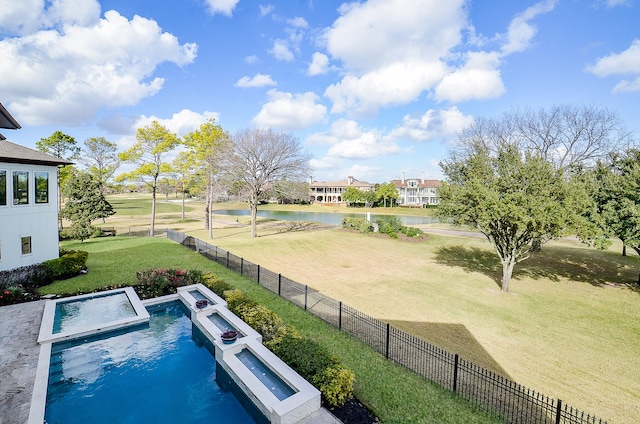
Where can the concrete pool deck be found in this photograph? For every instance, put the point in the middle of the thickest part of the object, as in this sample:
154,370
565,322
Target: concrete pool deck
19,351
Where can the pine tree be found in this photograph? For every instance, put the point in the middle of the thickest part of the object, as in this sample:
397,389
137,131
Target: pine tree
85,204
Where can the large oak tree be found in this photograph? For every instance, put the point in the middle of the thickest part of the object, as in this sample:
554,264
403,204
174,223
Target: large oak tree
517,199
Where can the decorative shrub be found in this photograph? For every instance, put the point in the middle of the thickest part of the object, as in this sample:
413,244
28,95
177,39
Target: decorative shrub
390,225
11,295
68,265
215,284
414,232
336,384
357,224
159,282
261,319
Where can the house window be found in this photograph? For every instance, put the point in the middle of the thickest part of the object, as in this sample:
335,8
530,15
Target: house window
42,187
20,187
26,245
3,188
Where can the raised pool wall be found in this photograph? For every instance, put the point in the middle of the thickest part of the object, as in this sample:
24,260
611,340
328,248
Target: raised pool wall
305,401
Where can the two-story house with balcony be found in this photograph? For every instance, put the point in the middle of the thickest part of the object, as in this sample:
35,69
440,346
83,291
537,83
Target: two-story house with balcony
328,193
417,192
28,202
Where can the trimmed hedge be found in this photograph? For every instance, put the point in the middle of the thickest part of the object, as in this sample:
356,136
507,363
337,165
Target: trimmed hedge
20,284
69,264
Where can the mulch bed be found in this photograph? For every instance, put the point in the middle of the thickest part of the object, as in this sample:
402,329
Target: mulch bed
353,412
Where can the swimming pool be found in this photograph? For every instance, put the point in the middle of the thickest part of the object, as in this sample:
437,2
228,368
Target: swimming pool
163,372
75,315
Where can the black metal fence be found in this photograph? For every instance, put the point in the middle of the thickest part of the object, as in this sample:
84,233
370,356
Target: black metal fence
500,396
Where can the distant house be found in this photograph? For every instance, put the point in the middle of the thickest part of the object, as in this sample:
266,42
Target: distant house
331,192
28,202
417,192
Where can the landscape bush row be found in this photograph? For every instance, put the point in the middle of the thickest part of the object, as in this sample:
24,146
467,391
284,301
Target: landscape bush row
21,284
307,357
390,225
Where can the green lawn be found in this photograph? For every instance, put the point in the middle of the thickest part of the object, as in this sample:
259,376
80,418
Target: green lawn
568,329
393,393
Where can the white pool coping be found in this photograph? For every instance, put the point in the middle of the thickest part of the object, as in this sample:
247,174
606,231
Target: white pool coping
305,401
46,327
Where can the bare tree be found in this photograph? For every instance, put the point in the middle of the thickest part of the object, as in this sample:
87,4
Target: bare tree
259,160
565,135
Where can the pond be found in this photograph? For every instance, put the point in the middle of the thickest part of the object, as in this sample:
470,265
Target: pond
324,217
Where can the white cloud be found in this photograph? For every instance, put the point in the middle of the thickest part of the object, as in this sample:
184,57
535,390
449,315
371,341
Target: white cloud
291,111
266,9
224,7
251,59
181,123
614,3
371,35
433,125
626,62
298,22
397,83
64,77
258,80
395,50
521,31
27,16
319,64
281,51
478,78
349,141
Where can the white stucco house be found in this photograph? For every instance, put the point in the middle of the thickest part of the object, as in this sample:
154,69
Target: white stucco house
28,202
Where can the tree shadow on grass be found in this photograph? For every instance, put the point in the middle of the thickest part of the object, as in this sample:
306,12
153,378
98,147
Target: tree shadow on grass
552,263
454,338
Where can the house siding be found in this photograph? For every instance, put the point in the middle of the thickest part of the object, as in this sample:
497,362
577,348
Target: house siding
36,220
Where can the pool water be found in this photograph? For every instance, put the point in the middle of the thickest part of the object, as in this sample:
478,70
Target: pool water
158,373
279,388
79,314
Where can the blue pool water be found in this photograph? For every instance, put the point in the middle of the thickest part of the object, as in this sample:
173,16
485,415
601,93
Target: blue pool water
279,388
160,373
95,310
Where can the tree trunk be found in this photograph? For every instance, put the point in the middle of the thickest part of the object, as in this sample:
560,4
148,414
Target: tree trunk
507,271
253,205
209,208
153,211
182,204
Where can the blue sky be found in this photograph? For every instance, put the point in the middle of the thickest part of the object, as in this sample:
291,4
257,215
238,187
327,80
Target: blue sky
372,89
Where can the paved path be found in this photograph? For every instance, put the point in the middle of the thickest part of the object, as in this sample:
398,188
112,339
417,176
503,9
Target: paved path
19,350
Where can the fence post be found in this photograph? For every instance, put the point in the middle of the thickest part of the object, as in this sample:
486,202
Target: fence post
258,274
279,284
241,265
455,373
386,348
340,316
306,290
558,411
227,259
